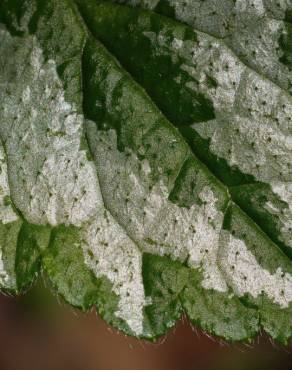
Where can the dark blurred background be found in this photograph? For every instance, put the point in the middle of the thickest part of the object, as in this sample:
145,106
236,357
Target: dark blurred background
38,332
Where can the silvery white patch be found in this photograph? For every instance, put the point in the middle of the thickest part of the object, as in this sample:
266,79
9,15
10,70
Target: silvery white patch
245,275
4,277
7,214
284,191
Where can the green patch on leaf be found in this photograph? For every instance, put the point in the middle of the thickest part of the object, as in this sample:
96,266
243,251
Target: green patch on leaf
163,280
217,313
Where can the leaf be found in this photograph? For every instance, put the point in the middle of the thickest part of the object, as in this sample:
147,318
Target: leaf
153,187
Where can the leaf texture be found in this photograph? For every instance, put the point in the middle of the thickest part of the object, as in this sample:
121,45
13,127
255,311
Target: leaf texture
146,162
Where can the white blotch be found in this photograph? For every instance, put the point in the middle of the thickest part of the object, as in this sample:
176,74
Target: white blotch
51,179
208,227
256,148
284,191
110,252
4,277
177,43
7,213
245,274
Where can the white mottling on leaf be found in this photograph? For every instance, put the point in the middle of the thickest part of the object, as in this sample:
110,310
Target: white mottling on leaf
52,181
125,212
251,28
158,225
252,129
255,137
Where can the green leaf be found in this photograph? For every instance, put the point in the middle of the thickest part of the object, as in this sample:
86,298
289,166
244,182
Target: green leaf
146,163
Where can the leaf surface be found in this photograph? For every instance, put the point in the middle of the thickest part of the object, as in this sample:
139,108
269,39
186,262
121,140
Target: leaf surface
151,184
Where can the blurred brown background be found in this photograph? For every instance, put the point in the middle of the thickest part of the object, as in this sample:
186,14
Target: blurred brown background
39,333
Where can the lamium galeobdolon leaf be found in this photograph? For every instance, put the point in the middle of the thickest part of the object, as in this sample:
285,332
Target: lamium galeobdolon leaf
146,160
